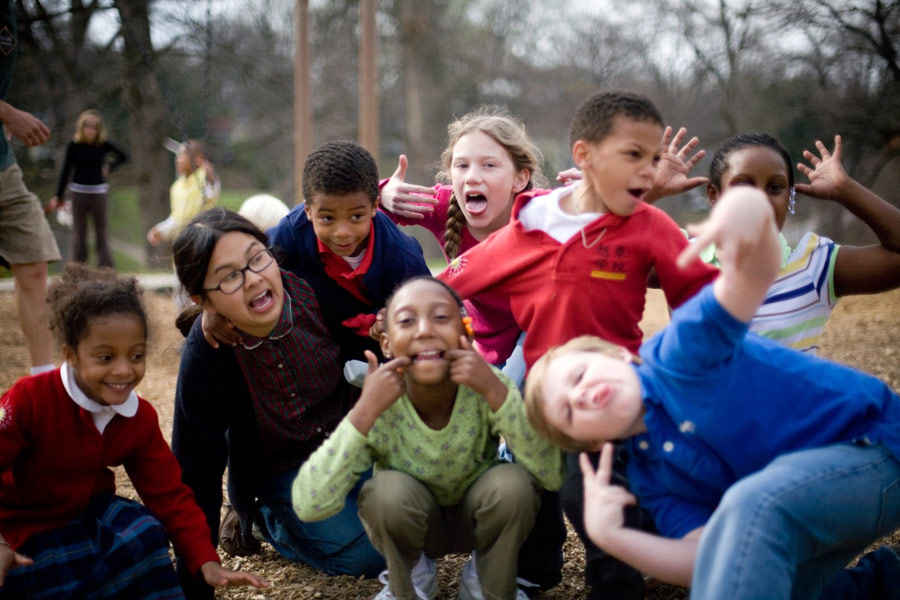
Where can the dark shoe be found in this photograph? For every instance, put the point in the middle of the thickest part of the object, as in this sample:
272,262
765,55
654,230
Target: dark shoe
232,540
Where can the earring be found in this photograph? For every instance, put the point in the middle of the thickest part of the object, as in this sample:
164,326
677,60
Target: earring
792,202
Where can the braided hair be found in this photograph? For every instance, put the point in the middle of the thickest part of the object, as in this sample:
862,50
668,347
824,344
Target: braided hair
507,131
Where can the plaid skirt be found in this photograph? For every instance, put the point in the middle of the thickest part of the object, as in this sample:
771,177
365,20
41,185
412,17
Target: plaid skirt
117,549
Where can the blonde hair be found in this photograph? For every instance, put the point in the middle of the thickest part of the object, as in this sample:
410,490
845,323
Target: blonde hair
534,394
507,131
78,138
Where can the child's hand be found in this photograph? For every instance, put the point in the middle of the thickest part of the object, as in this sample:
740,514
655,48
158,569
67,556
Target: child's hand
674,165
405,199
569,175
469,368
10,559
384,385
218,576
827,177
604,504
217,329
377,327
154,236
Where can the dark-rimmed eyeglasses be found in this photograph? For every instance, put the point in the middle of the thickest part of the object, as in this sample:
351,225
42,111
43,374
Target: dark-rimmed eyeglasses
235,280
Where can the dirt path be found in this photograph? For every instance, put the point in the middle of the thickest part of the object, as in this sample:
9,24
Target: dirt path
864,332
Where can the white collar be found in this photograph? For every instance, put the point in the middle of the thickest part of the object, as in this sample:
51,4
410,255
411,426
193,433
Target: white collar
101,414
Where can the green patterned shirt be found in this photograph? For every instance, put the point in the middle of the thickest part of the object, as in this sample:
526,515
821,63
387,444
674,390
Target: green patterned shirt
447,461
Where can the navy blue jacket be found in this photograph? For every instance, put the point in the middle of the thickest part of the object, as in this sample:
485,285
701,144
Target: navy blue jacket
396,258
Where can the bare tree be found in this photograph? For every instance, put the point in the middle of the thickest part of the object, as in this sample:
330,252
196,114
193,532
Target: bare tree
146,111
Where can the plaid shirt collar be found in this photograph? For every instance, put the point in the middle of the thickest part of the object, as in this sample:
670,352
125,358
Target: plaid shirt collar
282,327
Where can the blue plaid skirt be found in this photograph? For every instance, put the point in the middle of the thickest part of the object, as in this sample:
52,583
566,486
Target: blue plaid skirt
117,549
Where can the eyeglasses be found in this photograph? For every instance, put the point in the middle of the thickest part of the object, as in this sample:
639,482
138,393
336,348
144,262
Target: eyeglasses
235,280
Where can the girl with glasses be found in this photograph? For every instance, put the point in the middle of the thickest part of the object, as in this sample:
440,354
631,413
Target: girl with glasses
262,406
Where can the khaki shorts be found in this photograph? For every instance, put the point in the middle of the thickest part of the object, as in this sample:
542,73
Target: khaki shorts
25,235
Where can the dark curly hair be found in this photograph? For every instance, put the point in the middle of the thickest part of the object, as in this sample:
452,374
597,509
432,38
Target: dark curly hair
747,140
340,168
81,293
594,118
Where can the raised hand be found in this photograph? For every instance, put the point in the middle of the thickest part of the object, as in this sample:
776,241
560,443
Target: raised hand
405,199
674,165
218,576
827,177
468,368
604,503
383,386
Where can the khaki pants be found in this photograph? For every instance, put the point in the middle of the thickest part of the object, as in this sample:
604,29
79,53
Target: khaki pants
493,518
25,235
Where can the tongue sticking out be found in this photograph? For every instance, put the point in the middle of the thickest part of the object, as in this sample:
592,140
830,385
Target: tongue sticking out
261,302
476,204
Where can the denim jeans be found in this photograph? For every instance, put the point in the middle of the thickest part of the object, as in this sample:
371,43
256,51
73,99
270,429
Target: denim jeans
336,546
788,530
514,368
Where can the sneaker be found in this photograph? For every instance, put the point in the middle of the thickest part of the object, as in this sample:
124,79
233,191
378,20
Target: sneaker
470,585
424,577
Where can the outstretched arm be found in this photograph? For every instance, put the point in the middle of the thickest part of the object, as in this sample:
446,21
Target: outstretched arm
742,226
857,269
666,559
405,199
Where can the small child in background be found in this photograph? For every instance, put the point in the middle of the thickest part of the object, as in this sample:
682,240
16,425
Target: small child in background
64,531
195,189
429,420
817,271
351,255
86,163
766,470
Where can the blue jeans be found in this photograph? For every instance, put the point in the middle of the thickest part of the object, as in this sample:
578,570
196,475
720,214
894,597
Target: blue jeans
788,530
336,546
514,368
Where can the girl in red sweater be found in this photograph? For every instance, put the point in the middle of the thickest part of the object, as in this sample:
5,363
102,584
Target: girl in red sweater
63,531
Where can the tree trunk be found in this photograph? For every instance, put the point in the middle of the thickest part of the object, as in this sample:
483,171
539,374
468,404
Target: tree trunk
148,121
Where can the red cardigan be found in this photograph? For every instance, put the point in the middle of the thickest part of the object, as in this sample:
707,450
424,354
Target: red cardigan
560,291
53,460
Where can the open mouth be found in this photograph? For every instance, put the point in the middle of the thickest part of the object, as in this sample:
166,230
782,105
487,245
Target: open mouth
262,302
427,355
637,193
476,203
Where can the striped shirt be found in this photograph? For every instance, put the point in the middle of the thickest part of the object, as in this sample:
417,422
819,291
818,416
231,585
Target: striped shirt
798,304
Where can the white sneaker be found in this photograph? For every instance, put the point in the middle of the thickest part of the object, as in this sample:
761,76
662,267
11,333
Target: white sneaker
470,585
424,577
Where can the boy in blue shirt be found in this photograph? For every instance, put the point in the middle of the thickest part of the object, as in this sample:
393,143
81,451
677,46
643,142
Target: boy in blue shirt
765,470
350,254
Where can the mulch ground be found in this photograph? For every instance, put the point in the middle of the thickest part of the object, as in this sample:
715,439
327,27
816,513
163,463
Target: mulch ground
864,332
